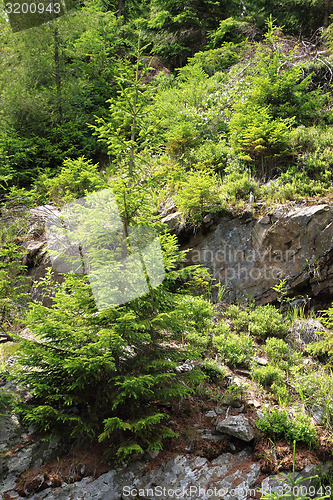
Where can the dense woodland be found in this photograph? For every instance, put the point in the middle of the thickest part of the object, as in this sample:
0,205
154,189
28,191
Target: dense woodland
187,105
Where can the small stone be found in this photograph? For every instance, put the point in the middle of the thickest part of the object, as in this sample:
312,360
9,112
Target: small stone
207,218
209,435
254,403
319,414
211,414
153,453
264,220
12,495
261,361
236,426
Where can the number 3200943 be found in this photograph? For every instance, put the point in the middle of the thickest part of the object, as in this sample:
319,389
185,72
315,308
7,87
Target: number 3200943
33,8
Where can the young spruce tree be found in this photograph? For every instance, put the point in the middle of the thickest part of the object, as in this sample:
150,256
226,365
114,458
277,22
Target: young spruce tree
109,373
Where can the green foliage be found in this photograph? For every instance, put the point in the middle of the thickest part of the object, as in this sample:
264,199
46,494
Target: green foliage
256,135
214,371
122,131
197,195
216,60
324,348
211,154
239,318
186,114
229,30
315,389
7,400
267,375
14,283
180,138
76,179
266,321
178,32
234,349
237,185
277,351
277,423
281,392
234,393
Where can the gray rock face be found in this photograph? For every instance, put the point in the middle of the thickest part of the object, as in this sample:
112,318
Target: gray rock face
237,426
305,331
250,256
20,452
10,432
231,477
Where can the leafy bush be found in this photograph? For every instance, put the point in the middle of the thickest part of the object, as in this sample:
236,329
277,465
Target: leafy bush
276,349
266,321
229,30
240,319
235,350
237,185
212,154
278,352
219,59
256,135
324,347
7,399
214,370
315,389
291,185
234,393
277,423
197,195
222,328
76,179
281,392
266,375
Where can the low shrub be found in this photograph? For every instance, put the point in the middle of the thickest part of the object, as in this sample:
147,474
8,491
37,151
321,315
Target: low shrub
277,423
234,393
266,375
240,319
235,350
198,194
237,185
278,352
76,179
281,392
214,371
266,321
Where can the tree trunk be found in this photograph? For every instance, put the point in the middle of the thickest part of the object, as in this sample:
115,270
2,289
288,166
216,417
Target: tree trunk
326,13
57,72
120,8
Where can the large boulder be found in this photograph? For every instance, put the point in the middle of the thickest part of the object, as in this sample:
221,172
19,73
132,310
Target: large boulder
249,256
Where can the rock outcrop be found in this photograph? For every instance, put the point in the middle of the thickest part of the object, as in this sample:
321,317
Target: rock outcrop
249,256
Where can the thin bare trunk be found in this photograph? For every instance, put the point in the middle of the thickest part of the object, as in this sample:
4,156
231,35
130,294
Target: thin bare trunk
120,8
326,13
57,71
